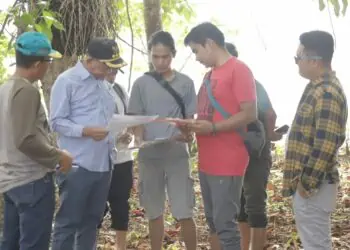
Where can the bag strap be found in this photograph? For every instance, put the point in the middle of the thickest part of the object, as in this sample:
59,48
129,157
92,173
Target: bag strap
171,90
217,105
211,97
121,95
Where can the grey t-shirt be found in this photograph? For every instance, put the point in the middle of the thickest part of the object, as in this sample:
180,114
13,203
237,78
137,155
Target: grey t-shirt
148,97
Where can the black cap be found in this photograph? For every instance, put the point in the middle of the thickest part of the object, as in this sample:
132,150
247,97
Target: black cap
107,51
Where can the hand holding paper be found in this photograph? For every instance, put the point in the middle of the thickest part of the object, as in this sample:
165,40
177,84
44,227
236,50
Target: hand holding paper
192,125
119,123
97,134
124,138
175,121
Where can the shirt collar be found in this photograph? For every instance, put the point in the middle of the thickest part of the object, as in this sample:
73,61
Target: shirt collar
326,77
174,75
82,71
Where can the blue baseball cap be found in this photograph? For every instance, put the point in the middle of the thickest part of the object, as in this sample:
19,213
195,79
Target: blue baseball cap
35,44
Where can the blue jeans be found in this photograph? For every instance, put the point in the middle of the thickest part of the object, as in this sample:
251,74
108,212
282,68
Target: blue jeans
83,196
28,214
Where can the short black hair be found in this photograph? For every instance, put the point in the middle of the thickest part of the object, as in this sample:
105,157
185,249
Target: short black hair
319,42
164,38
200,33
231,48
26,62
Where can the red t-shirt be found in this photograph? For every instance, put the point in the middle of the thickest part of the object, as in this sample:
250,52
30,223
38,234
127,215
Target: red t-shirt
225,154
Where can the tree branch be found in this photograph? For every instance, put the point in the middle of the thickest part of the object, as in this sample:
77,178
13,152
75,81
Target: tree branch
186,61
132,42
131,46
10,43
7,18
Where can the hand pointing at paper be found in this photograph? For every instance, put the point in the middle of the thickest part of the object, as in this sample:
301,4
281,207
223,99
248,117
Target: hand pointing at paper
193,125
185,136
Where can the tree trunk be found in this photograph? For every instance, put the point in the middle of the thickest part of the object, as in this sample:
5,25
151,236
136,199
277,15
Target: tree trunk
82,20
152,18
56,68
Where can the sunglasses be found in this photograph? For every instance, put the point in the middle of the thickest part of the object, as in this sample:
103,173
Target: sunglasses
297,59
47,59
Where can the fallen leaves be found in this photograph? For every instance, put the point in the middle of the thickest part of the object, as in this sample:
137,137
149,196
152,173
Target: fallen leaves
281,232
346,201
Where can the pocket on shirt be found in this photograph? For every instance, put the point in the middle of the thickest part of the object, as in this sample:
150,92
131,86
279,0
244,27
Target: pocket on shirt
305,116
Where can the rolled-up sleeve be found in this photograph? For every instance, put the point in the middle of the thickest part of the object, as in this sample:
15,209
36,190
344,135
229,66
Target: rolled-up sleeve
60,110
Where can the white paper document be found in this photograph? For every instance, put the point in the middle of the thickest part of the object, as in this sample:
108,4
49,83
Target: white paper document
119,123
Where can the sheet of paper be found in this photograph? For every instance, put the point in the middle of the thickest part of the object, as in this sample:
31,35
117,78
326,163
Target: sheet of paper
147,144
176,121
118,123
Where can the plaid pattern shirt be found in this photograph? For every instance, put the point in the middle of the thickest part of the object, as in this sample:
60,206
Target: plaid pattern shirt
317,133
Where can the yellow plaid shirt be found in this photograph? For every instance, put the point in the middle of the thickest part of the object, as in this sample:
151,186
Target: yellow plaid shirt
317,133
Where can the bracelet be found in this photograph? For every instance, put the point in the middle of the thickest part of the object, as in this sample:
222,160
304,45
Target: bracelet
213,132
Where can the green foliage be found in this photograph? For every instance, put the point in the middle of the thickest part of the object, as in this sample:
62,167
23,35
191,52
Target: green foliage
136,15
4,51
279,152
25,18
39,18
338,5
175,13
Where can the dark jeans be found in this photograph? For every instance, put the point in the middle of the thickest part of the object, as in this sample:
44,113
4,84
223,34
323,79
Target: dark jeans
28,214
119,194
253,198
83,196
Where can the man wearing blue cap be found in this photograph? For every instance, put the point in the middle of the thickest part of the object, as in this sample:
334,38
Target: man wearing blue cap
27,155
81,107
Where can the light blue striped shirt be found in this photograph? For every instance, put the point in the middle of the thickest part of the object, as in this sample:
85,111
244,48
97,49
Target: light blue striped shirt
79,100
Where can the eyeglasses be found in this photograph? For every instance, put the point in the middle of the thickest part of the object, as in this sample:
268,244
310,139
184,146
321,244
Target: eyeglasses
297,59
49,60
113,71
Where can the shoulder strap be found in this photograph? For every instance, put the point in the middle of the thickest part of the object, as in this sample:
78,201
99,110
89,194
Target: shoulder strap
253,145
121,95
212,99
171,91
217,105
